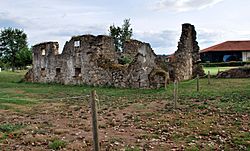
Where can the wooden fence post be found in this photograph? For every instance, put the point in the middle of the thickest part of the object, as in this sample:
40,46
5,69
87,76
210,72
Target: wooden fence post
198,83
175,94
208,77
166,82
94,120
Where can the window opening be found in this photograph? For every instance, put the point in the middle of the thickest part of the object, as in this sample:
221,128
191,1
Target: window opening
43,73
77,72
43,52
58,71
77,43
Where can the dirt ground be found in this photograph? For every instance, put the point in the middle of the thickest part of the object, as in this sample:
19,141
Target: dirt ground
135,125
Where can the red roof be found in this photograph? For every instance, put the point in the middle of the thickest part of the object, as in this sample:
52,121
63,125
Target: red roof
229,46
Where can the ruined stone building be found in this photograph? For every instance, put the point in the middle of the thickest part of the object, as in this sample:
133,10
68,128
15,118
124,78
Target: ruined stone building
93,60
186,59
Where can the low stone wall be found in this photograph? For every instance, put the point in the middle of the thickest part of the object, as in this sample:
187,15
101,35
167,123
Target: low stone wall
243,72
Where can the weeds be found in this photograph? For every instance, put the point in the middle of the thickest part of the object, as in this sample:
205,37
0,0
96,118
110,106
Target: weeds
7,128
57,144
243,139
132,149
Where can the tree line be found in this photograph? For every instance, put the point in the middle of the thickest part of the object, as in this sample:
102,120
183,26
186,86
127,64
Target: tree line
14,50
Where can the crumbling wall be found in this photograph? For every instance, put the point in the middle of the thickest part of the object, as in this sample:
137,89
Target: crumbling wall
242,72
143,64
138,74
44,61
131,47
186,58
93,60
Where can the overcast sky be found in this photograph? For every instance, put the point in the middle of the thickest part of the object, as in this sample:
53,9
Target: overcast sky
157,22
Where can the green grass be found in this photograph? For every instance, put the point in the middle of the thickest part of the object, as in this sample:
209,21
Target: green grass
57,144
132,149
5,107
192,148
15,101
8,76
243,139
229,96
215,70
233,93
7,128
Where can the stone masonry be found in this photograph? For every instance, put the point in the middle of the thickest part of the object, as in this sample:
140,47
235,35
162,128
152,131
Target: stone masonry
93,60
185,62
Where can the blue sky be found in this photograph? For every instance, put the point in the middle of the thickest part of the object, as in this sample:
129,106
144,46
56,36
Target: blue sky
157,22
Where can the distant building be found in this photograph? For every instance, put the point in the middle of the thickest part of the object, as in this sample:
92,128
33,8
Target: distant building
227,51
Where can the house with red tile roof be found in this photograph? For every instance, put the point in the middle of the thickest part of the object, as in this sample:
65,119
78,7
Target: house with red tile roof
227,51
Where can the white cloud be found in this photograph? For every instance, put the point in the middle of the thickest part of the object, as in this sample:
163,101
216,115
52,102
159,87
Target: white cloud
207,38
55,20
163,42
64,34
166,41
184,5
58,20
6,20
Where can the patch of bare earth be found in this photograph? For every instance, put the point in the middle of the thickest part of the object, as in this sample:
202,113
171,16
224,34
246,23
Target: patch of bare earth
148,125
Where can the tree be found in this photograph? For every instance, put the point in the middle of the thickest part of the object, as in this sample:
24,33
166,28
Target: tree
12,41
115,32
121,34
23,58
126,32
1,63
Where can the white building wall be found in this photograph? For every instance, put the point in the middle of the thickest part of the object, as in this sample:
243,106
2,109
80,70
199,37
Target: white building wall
246,56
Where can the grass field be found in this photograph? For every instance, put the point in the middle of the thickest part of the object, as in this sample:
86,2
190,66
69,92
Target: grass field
215,70
57,117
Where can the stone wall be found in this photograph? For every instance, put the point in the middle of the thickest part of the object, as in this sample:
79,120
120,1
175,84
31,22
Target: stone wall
131,47
243,72
185,60
92,60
